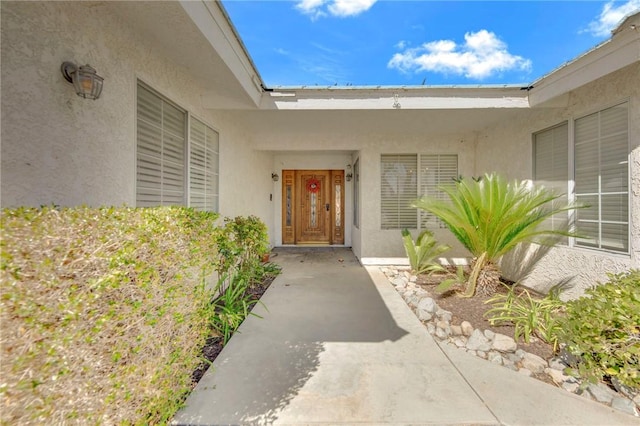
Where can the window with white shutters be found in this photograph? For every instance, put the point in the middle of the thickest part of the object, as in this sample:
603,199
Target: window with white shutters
602,178
171,170
203,166
435,171
160,158
551,168
399,187
406,177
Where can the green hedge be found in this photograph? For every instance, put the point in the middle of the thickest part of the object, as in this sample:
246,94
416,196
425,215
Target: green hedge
602,331
104,312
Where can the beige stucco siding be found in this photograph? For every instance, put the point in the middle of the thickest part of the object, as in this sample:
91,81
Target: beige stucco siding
307,139
507,148
59,148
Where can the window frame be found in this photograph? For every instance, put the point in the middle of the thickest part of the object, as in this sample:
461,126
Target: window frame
189,118
165,100
216,172
567,219
574,241
421,218
572,184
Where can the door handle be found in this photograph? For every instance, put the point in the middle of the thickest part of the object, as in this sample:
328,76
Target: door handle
327,206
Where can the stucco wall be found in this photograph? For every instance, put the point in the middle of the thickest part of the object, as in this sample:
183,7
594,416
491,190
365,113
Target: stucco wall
59,148
383,243
507,148
363,135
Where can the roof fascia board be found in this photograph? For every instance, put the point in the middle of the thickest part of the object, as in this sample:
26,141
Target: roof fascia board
401,98
214,24
614,54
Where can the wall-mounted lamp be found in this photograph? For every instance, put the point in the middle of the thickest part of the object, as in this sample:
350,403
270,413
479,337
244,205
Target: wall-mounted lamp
349,176
87,83
274,177
396,103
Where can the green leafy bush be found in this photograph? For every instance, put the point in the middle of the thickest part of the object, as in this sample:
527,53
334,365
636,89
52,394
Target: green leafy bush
423,253
242,243
104,312
529,316
602,330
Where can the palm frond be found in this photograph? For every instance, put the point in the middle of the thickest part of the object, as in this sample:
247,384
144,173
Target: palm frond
491,216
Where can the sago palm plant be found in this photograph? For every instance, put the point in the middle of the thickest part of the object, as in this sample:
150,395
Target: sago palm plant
490,217
424,252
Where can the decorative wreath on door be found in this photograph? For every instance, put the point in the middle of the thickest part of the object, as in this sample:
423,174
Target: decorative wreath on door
313,185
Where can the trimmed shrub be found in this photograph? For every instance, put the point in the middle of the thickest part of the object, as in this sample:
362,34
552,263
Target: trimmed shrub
104,312
242,243
602,331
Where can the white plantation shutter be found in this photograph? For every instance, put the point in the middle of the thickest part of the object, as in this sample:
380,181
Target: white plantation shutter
160,157
406,177
435,171
399,187
602,178
203,166
551,159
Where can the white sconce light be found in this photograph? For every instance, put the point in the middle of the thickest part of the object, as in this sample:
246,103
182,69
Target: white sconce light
85,80
396,103
274,177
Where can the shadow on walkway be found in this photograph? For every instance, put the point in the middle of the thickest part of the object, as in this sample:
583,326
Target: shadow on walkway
323,295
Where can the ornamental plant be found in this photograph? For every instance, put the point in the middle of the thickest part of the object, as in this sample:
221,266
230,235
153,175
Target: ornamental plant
423,252
232,306
529,315
602,331
490,216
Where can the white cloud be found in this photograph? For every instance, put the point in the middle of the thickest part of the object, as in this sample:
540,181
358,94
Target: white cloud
339,8
311,7
401,44
482,55
611,16
350,7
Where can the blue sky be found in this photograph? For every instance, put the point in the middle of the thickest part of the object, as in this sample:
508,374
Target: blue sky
394,42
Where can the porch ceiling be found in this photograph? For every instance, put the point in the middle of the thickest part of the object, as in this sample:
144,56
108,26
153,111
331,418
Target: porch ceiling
340,126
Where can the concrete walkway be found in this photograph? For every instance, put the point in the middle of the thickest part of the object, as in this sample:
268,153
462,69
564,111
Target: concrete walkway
337,345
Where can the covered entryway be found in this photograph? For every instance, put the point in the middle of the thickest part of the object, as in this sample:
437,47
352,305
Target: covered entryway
313,207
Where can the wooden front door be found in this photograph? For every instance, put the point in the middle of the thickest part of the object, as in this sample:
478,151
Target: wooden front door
313,207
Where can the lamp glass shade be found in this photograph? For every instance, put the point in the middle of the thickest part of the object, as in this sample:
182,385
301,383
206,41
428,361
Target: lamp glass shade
87,83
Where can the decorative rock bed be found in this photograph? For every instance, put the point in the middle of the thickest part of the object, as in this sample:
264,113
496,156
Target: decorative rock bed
498,348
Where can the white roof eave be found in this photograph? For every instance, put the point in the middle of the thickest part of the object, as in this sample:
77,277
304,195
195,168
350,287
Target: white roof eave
621,50
402,97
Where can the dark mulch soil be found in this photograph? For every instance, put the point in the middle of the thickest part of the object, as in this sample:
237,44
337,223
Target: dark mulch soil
213,346
473,309
210,351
